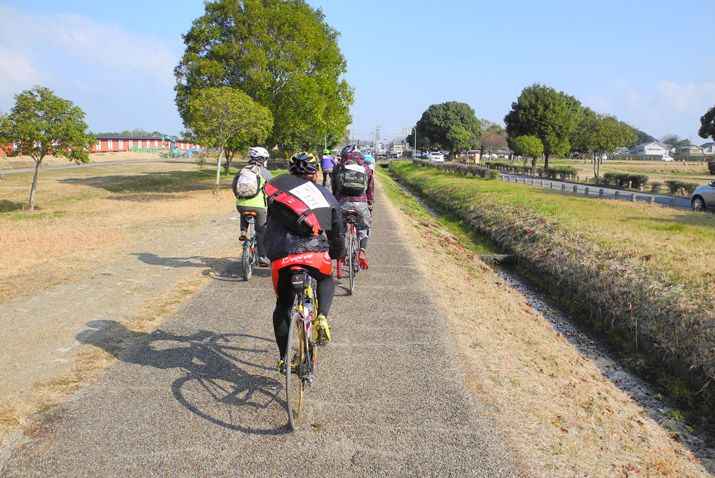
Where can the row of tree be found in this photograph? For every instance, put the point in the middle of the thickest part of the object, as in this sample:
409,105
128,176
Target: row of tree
542,122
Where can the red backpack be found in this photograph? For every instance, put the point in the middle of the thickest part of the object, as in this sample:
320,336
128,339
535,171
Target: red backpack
292,212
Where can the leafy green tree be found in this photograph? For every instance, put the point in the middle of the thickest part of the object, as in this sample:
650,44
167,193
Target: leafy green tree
136,133
707,124
527,146
438,121
283,55
598,135
227,119
42,124
548,114
459,138
642,137
674,141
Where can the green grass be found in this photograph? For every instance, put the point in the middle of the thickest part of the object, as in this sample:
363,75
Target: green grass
465,234
682,241
639,273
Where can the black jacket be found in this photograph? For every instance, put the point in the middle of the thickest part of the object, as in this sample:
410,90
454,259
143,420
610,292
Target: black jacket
280,242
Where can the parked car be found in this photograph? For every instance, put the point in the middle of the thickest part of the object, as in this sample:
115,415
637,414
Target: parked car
703,198
436,157
666,157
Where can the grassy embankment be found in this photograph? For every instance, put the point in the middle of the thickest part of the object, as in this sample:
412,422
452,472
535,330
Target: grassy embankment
640,273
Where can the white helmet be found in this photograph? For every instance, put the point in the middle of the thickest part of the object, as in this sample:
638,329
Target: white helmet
259,152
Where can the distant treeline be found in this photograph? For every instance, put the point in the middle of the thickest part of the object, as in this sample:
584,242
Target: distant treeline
136,133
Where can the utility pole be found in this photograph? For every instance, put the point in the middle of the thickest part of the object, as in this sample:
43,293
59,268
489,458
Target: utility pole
377,138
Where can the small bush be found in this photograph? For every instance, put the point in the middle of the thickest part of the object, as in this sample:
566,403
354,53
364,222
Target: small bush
711,167
655,187
625,180
459,168
680,188
637,181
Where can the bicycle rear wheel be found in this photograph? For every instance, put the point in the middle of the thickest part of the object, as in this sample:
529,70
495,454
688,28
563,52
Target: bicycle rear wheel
247,260
351,259
295,360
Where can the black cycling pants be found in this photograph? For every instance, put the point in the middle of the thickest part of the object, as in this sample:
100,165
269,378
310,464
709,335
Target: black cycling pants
286,296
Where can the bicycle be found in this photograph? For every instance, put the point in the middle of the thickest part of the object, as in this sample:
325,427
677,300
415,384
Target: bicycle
328,179
353,247
249,257
302,353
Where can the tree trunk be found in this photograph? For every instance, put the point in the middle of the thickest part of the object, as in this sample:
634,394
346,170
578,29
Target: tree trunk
218,170
546,160
227,163
33,189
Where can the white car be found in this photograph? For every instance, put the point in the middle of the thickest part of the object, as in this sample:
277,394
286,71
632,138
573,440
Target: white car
436,157
666,158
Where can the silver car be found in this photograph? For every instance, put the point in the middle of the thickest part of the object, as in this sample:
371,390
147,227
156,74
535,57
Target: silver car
703,197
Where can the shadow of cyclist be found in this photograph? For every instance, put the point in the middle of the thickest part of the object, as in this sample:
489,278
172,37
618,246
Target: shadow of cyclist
220,268
223,377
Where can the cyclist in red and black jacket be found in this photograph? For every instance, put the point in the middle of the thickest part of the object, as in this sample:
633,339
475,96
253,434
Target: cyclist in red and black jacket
312,235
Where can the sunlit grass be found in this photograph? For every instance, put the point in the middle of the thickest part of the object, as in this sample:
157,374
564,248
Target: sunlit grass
681,242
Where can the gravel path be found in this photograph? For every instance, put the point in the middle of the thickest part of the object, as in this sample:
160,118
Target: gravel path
200,396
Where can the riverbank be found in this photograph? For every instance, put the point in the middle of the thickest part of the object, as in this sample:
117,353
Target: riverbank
637,273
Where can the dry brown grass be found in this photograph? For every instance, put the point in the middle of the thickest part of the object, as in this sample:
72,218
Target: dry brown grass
554,408
638,271
82,225
689,171
28,162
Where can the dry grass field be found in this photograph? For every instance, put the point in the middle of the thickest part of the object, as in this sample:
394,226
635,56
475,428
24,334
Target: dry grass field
28,162
85,217
76,257
657,171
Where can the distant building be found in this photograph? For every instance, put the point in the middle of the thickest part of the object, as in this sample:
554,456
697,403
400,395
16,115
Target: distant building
690,150
117,144
708,148
653,148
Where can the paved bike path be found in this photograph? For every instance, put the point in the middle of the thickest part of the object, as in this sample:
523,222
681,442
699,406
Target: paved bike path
200,396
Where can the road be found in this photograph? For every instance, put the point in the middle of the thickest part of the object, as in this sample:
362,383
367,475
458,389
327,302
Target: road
97,164
594,191
200,396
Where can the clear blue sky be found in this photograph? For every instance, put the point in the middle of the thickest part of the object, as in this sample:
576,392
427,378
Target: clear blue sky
651,63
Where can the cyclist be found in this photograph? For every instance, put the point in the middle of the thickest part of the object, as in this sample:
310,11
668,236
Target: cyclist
354,188
248,187
327,162
305,227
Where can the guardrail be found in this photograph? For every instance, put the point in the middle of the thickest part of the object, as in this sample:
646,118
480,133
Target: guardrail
598,192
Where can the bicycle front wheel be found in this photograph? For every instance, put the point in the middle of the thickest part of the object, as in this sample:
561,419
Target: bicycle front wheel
295,360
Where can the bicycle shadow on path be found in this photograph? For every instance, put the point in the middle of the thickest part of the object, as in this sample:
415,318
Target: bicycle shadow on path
223,379
218,268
